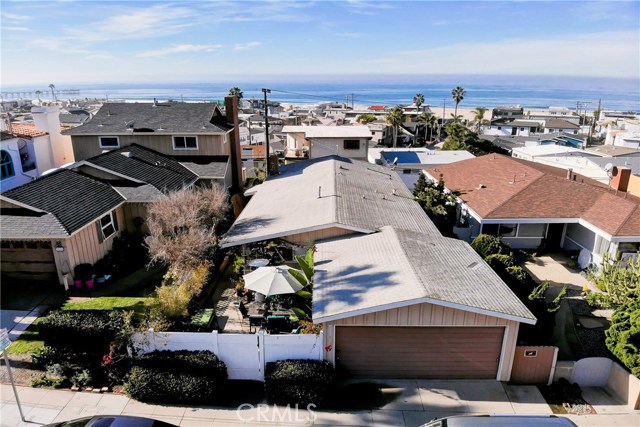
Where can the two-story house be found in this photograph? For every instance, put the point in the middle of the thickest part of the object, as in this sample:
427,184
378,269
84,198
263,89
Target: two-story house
311,142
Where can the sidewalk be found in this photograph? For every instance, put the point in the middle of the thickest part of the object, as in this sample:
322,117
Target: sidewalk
414,403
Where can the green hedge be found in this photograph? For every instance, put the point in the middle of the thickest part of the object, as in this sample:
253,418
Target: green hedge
623,337
302,382
86,328
486,244
193,377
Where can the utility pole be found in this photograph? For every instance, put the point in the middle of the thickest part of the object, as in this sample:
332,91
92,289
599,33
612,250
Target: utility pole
352,95
266,125
444,102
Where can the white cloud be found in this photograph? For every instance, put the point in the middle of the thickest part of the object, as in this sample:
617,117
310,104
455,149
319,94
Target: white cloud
180,48
15,16
14,28
607,54
247,46
361,7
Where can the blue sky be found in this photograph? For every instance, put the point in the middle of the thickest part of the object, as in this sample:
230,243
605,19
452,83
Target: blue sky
149,41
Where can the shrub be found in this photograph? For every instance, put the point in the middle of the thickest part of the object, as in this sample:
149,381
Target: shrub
555,304
45,381
172,301
86,329
177,377
302,382
486,244
599,300
500,261
519,277
538,292
151,386
623,337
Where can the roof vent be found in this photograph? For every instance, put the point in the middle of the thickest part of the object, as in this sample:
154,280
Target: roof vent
127,154
481,186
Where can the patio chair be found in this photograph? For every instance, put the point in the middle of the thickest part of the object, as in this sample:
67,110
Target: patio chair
255,321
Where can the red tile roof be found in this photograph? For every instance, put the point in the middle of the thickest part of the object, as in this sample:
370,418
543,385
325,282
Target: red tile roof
258,151
497,186
27,130
377,108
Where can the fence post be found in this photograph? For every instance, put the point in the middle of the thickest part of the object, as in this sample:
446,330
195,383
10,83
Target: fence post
321,346
214,338
261,353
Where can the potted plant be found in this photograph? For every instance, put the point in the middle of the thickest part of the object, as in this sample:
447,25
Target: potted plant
82,273
240,287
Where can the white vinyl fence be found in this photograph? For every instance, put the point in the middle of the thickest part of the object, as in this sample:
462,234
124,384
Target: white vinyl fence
244,354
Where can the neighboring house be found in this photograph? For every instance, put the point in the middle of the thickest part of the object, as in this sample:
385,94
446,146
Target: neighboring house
518,127
74,117
30,149
172,128
385,280
507,112
623,133
529,205
382,133
405,304
533,152
70,216
409,163
560,125
312,142
326,197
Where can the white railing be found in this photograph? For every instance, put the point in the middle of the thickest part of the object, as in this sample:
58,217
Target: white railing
245,355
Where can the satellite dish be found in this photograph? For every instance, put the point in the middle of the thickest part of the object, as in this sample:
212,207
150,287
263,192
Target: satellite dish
608,168
395,161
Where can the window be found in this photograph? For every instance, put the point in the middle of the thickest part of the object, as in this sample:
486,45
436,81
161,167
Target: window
532,230
106,226
508,230
351,144
6,165
521,129
109,142
185,142
499,127
491,229
551,130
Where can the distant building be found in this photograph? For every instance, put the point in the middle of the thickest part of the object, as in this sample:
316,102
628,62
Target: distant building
311,142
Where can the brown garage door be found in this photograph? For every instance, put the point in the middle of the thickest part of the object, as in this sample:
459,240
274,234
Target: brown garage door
31,261
418,352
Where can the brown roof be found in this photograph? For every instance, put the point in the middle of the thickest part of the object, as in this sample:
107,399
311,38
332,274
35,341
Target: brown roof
377,108
26,130
257,151
497,186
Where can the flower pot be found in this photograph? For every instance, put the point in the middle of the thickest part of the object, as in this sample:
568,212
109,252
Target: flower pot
89,283
78,283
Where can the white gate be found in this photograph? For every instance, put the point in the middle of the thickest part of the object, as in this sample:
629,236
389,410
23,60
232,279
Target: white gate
591,372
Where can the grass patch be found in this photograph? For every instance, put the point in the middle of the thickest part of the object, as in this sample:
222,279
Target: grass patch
138,304
28,342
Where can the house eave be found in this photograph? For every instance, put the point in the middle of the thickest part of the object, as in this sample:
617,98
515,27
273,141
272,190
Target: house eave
400,304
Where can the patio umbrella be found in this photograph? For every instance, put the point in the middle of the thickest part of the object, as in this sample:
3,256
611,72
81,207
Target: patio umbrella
272,280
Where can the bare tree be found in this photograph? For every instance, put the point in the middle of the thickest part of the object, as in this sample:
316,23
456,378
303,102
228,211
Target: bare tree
182,227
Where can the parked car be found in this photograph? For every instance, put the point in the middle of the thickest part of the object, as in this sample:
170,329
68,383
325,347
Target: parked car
501,421
112,421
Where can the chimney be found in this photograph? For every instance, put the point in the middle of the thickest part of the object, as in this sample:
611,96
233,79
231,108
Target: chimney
231,111
569,173
273,165
620,182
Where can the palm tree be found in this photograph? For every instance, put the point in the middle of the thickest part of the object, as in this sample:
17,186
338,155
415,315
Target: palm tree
418,100
38,93
53,94
395,117
428,120
478,117
236,91
457,94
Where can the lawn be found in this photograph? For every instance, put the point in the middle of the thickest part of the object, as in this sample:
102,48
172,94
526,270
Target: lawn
29,341
138,304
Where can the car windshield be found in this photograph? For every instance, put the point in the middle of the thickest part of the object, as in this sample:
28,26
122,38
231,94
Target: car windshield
81,422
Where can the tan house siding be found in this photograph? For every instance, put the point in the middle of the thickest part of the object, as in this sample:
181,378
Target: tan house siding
85,247
429,315
307,239
88,146
131,211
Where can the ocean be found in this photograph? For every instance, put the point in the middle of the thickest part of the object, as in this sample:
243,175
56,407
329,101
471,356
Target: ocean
533,92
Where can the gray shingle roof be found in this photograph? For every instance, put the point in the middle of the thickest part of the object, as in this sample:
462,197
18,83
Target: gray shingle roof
355,195
24,224
393,268
206,166
166,118
143,164
72,198
137,193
